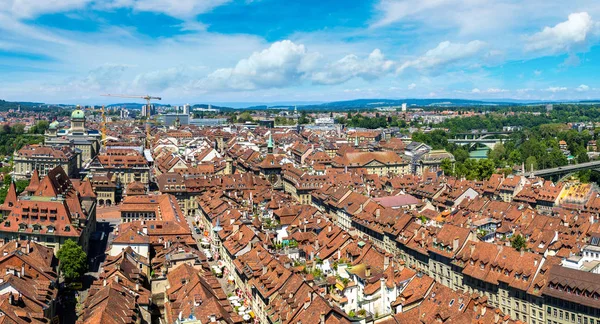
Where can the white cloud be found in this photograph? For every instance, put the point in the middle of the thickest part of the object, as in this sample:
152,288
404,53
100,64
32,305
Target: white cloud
565,36
489,90
582,88
351,66
393,11
33,8
183,9
444,54
412,86
282,64
537,72
556,89
161,80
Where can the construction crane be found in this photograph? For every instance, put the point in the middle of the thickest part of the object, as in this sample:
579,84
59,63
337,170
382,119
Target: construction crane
103,128
148,99
147,114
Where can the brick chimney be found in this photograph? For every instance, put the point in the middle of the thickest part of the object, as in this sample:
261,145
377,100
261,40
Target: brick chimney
368,271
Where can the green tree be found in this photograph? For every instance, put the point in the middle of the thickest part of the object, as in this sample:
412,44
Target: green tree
530,163
583,157
497,154
518,242
40,127
447,167
72,260
244,117
485,169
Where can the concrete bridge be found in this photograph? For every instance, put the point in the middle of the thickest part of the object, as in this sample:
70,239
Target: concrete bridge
471,142
564,170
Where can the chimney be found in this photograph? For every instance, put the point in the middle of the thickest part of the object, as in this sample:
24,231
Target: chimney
386,261
137,286
497,316
264,270
322,318
11,299
145,230
23,270
483,310
522,252
455,244
28,250
117,279
476,307
472,248
329,228
368,271
316,244
104,283
377,212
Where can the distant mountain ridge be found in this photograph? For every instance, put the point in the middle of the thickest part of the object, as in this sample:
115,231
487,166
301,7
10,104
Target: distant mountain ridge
333,105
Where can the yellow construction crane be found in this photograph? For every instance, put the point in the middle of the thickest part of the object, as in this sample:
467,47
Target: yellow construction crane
103,128
148,99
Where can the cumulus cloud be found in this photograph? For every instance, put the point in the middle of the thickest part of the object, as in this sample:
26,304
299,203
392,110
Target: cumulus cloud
582,88
286,63
282,64
446,53
565,36
351,66
412,86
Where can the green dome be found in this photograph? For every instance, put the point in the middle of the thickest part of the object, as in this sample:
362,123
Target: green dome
78,113
53,125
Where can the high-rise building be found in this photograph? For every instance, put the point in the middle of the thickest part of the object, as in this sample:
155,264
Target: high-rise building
148,110
404,107
186,109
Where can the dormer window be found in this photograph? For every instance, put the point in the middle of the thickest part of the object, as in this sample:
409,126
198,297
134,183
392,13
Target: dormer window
51,229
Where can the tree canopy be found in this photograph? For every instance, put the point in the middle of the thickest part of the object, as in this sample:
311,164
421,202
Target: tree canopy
72,260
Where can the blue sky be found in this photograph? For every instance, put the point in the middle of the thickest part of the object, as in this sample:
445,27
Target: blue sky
71,51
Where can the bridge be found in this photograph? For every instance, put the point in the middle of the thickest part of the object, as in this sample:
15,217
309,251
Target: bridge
563,170
475,135
489,142
489,139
